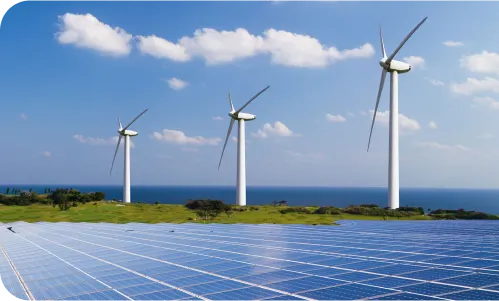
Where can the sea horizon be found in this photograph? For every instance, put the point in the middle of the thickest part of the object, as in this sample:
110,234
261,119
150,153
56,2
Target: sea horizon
477,199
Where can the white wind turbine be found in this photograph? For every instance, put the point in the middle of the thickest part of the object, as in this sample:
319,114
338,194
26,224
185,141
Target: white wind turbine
241,151
125,132
394,67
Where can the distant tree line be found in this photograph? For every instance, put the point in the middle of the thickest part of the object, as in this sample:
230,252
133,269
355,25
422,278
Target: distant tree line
64,198
460,214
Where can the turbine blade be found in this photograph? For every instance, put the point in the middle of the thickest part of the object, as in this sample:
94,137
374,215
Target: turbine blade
390,58
119,123
231,104
115,152
382,44
253,98
226,139
126,127
381,84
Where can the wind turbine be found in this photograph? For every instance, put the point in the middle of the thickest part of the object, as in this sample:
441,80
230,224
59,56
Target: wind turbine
125,132
240,117
394,67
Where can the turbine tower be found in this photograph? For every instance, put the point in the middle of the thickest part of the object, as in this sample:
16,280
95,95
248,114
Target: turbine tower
394,67
240,117
125,132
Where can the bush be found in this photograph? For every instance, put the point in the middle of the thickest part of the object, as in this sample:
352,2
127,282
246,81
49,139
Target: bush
295,210
328,210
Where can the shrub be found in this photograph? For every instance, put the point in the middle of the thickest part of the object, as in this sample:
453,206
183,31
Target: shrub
295,210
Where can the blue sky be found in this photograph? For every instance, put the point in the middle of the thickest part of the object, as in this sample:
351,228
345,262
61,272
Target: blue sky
67,72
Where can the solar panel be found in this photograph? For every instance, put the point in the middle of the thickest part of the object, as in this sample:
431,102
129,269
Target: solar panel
375,260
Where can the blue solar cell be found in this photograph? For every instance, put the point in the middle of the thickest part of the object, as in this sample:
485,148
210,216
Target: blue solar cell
405,296
346,292
355,276
365,265
398,269
250,293
478,263
285,297
170,294
474,280
390,282
432,289
328,272
434,274
304,284
473,295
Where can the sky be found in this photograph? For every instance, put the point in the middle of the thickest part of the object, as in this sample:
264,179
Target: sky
69,69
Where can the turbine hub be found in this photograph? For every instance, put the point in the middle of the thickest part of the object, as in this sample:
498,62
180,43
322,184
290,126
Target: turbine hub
242,116
127,133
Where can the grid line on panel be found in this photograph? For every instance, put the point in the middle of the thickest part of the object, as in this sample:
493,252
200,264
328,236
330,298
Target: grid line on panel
307,274
75,267
406,261
23,284
159,260
131,271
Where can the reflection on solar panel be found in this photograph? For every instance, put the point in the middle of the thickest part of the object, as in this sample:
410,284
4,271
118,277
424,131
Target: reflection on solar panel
372,260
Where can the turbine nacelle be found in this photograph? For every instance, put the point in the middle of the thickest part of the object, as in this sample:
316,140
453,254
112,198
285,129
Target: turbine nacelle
242,116
394,65
127,133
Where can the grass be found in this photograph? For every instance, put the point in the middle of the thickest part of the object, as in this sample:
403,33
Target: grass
163,213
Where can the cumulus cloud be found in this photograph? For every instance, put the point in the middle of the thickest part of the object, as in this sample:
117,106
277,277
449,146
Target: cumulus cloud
486,102
178,137
100,141
484,62
176,84
405,123
218,47
23,116
453,43
415,61
217,118
86,31
276,129
440,146
335,118
433,125
486,136
46,154
474,85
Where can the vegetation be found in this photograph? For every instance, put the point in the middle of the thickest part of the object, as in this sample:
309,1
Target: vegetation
460,214
73,206
64,199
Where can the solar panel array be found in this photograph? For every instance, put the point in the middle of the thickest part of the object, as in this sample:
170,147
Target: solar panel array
372,260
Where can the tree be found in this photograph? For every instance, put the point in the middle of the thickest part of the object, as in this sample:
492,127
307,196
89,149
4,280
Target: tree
73,196
98,196
283,203
274,203
7,191
228,211
156,203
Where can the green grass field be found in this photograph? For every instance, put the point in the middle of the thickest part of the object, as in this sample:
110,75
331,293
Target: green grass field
146,213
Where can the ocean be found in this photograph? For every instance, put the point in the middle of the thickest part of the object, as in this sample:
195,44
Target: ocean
485,200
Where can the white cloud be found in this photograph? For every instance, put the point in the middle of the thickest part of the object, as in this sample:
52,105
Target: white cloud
484,62
23,116
86,31
305,155
487,102
453,43
177,84
100,141
178,137
405,123
415,61
486,136
217,47
46,154
335,118
473,85
217,118
436,145
277,129
433,125
435,82
162,49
